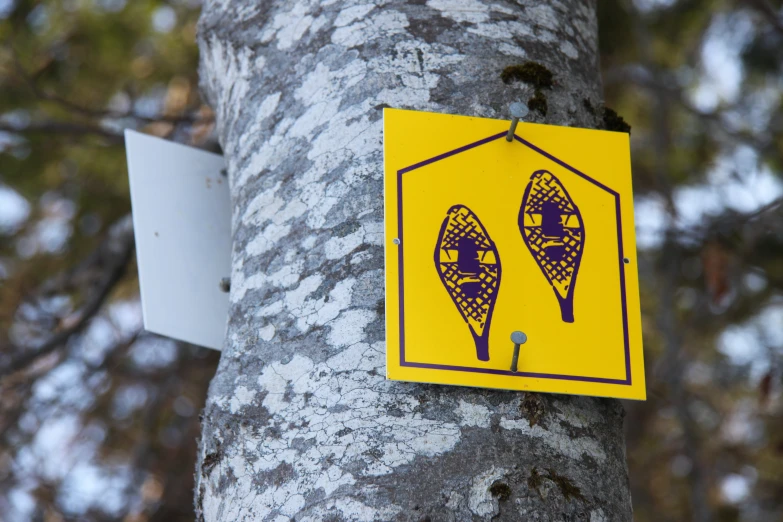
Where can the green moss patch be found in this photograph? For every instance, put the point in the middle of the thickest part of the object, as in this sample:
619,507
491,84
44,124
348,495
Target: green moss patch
532,73
538,103
500,491
615,122
566,486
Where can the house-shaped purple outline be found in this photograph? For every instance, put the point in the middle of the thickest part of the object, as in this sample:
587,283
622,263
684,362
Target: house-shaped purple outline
403,362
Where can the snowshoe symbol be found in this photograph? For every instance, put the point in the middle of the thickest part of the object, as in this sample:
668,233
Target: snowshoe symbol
468,264
552,228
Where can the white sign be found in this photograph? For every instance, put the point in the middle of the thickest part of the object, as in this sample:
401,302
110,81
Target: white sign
182,224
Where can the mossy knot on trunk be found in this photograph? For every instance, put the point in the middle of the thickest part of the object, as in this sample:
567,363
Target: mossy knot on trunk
532,73
567,488
538,103
500,491
615,122
533,407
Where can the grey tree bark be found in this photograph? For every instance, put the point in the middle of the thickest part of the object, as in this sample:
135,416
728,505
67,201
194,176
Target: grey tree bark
300,423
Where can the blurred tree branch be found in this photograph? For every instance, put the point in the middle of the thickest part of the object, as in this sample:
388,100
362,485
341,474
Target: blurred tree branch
739,219
670,369
30,81
58,127
643,76
112,258
769,12
730,221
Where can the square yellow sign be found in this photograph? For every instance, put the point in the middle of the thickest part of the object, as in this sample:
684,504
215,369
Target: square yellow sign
486,237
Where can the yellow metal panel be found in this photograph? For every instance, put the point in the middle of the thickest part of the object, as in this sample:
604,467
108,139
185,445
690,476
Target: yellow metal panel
496,237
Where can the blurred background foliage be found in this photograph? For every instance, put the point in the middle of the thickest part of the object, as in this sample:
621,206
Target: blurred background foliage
103,425
700,83
99,420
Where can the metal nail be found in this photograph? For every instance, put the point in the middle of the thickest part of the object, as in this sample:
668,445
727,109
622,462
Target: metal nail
225,284
396,241
517,338
518,110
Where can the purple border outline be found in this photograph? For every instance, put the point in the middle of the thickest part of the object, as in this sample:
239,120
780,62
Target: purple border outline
626,342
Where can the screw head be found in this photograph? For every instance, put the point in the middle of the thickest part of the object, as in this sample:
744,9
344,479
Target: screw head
518,110
518,337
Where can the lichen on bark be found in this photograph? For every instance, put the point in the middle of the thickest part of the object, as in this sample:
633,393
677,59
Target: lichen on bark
300,421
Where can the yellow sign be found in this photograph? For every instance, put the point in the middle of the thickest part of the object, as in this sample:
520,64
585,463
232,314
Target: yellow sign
486,237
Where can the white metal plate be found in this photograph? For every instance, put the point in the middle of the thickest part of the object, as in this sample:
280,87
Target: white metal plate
182,224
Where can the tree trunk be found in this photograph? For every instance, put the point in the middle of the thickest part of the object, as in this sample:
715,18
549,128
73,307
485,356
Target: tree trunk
300,422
